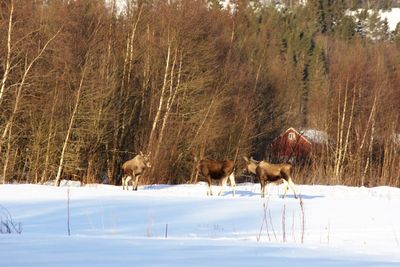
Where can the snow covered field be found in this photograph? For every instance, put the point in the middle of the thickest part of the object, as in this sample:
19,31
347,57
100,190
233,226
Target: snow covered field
164,225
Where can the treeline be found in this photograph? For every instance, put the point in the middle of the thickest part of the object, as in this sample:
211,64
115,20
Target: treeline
86,85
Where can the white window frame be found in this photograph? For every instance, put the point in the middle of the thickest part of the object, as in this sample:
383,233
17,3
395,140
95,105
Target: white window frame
291,136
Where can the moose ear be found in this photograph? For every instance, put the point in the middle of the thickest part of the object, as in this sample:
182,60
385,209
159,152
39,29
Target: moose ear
245,159
141,153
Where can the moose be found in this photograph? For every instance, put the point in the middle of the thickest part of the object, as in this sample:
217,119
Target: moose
270,173
134,168
217,170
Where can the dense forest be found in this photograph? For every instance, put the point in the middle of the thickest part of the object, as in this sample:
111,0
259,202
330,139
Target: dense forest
87,84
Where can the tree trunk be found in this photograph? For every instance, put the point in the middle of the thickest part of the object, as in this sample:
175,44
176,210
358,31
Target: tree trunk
161,101
71,123
7,158
195,173
126,77
21,84
370,123
367,164
49,138
343,133
339,134
8,57
347,140
171,99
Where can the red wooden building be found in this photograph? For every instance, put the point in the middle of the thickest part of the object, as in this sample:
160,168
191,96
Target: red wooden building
293,144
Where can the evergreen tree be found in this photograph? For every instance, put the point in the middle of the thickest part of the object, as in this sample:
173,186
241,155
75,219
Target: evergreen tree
361,23
385,32
396,35
347,28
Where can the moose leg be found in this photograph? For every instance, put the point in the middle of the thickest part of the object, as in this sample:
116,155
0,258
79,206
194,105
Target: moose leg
223,184
286,184
262,183
233,183
265,192
135,186
291,184
209,191
127,180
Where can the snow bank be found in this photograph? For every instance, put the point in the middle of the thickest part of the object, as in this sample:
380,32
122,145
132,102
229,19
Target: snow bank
163,225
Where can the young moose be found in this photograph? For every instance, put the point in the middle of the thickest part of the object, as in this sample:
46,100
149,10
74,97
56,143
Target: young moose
134,168
217,170
270,173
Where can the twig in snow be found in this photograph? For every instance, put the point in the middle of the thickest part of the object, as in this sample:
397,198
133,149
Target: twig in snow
7,225
68,217
284,223
272,225
302,219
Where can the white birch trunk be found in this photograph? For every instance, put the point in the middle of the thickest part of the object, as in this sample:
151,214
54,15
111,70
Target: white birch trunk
146,78
8,57
49,138
350,124
7,156
340,134
367,163
161,101
134,26
71,123
371,114
21,84
171,99
10,122
126,74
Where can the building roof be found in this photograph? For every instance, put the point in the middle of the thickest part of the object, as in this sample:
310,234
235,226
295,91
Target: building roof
293,130
315,136
310,135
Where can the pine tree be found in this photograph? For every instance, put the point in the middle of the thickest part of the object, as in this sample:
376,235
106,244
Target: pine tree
346,28
396,35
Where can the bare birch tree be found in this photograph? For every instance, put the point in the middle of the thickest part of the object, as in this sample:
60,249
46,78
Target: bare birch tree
8,57
70,125
9,124
161,100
